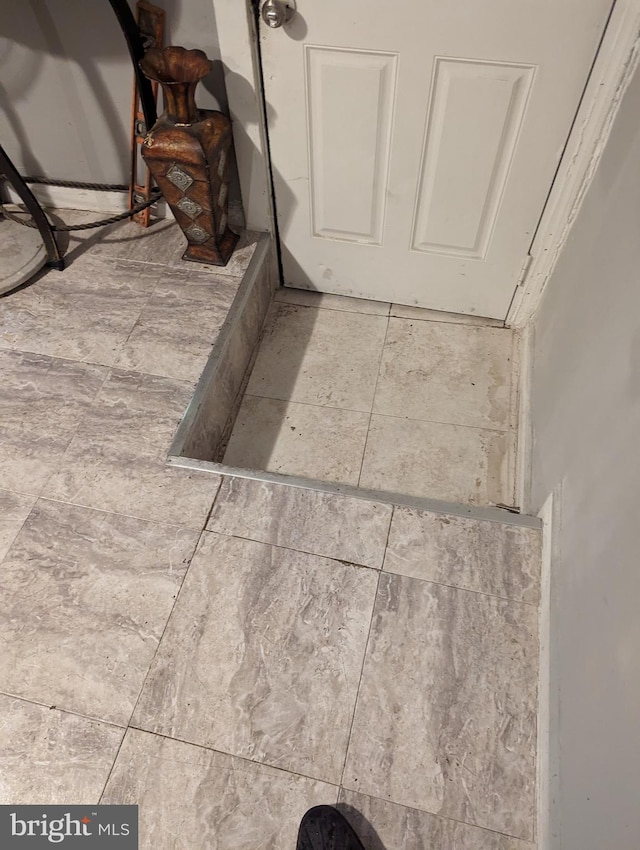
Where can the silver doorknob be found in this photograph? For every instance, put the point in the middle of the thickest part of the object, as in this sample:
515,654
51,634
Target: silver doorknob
275,13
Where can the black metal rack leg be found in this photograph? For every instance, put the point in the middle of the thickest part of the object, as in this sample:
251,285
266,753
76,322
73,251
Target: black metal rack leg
136,47
7,168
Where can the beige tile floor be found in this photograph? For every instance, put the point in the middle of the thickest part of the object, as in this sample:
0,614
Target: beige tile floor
223,652
382,397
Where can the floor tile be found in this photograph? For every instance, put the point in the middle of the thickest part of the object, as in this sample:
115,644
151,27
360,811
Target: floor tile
49,757
298,439
338,527
387,826
116,460
446,713
194,798
238,262
262,656
423,314
14,509
161,243
86,598
446,373
42,399
195,284
85,313
449,462
309,298
308,355
174,332
489,557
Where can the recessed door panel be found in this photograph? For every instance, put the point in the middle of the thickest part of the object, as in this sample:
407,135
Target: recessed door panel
475,116
350,106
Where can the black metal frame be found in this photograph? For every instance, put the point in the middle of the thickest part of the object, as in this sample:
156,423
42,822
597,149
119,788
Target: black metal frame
136,48
9,171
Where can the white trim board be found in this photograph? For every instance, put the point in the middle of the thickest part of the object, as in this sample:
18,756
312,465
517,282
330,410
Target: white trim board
547,772
614,66
524,444
90,200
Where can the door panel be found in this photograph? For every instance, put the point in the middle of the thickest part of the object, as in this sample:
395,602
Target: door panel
414,144
475,116
350,95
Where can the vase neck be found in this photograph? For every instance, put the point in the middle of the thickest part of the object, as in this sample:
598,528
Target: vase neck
180,102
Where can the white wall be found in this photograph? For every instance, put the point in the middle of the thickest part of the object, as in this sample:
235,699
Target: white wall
240,61
66,86
586,431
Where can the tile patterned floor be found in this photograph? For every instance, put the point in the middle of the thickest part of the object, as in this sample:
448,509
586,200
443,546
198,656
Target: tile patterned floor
224,652
382,397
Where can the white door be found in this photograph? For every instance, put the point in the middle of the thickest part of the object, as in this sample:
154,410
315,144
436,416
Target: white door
414,142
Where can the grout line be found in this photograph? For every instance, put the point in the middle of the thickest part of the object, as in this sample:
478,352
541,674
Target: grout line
386,544
364,449
194,528
533,605
36,499
362,666
213,502
527,843
123,729
48,705
305,403
194,551
373,400
228,754
121,347
113,764
440,422
337,560
483,322
166,626
22,351
331,309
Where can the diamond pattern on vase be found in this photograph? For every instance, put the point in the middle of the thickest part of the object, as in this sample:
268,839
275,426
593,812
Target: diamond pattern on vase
197,234
189,207
179,178
222,195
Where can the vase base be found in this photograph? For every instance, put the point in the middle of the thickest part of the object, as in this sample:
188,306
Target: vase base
211,254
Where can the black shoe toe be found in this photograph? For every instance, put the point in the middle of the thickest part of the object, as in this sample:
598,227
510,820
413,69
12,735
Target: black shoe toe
324,828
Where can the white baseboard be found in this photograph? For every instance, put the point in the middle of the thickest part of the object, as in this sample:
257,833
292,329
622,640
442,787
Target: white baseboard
547,758
91,200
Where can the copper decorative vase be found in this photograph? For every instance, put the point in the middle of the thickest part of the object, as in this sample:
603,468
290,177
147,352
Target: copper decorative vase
187,151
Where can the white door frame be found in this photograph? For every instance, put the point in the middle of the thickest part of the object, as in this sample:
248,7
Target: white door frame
615,63
614,66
